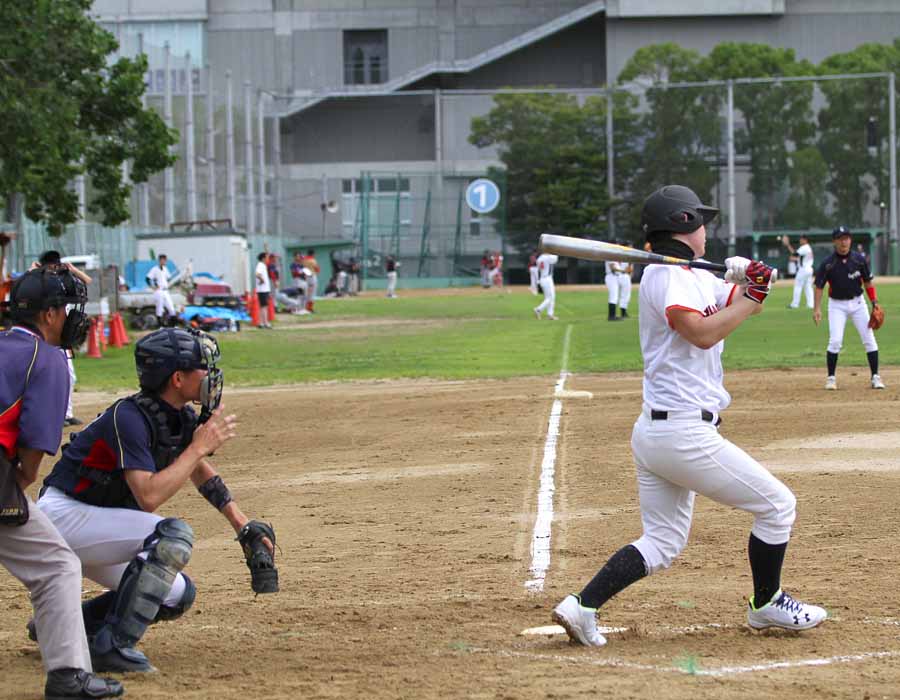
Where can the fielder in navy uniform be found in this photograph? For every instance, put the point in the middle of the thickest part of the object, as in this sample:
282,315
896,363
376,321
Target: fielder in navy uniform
103,492
33,386
846,272
685,315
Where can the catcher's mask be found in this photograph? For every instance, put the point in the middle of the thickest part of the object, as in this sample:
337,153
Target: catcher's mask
46,288
162,353
674,209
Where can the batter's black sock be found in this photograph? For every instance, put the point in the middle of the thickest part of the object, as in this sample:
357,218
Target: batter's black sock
612,312
831,359
624,313
872,357
623,568
765,563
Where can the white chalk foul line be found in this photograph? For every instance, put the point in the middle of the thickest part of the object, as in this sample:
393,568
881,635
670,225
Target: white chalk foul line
719,671
540,540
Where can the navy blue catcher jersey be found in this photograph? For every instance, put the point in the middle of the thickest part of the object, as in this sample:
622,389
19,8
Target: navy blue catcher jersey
119,439
844,274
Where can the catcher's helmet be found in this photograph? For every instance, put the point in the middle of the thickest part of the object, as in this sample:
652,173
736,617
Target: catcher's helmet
675,209
839,232
165,351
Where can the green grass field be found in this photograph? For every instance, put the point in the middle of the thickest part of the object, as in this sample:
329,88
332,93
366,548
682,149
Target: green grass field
487,334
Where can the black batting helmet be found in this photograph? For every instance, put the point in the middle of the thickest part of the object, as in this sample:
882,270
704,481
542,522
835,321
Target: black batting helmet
839,232
165,351
675,209
43,288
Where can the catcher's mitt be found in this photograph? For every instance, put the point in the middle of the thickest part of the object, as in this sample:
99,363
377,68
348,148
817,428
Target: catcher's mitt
876,320
260,561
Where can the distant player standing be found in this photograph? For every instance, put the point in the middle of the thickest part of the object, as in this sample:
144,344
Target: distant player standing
390,268
158,278
618,285
846,272
545,264
685,315
803,281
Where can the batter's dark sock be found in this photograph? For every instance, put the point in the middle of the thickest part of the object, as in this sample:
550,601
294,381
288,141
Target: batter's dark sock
612,311
872,357
624,313
623,568
765,563
831,359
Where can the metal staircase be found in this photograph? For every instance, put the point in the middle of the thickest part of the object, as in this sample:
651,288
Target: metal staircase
462,66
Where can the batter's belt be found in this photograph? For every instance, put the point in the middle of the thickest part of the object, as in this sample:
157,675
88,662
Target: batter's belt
705,415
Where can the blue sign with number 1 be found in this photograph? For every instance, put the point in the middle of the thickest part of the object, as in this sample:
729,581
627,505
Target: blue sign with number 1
482,195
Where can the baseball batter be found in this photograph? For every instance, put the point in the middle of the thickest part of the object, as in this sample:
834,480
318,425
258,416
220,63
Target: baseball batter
545,264
158,278
685,315
102,494
846,272
803,281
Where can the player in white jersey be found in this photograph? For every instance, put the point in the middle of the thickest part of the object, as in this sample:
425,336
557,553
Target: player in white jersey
545,264
158,278
618,288
803,281
685,315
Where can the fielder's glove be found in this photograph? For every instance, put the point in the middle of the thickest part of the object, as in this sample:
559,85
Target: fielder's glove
876,320
260,561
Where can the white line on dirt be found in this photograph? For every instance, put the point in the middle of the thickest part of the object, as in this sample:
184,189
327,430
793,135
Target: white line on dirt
691,669
540,541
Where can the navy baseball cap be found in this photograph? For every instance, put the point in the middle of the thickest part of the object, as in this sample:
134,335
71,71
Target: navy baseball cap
840,232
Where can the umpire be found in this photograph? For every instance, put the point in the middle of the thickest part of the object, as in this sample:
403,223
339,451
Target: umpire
34,381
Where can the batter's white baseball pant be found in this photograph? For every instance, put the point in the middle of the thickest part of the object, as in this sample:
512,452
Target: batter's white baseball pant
392,284
612,288
684,455
858,312
624,281
39,557
803,282
106,540
533,279
549,290
163,301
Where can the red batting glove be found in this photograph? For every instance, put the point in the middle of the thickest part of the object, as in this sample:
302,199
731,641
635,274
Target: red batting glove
759,281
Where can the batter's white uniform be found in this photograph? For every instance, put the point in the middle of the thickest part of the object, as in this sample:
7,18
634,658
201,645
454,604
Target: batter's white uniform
545,264
684,454
533,278
159,277
618,284
803,282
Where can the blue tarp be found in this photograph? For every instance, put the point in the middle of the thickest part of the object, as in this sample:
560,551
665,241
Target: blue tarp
214,312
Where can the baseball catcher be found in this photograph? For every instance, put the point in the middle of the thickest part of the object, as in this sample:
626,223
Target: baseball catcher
103,493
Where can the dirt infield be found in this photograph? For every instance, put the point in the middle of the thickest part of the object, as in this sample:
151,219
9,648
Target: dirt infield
405,514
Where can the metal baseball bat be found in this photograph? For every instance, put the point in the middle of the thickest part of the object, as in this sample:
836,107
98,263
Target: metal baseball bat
599,250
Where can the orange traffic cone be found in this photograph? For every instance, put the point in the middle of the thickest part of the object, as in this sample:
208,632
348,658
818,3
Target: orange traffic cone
102,333
253,308
94,340
115,339
120,324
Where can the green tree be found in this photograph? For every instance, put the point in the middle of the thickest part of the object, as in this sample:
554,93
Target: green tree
806,203
680,130
856,172
553,152
65,111
777,116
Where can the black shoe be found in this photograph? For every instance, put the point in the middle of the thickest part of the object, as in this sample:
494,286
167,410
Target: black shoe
121,660
32,630
67,683
625,314
74,421
614,318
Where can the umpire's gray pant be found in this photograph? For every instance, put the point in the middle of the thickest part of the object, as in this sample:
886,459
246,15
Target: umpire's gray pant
39,557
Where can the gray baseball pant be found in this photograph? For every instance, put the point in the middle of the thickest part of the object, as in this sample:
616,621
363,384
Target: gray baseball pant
39,557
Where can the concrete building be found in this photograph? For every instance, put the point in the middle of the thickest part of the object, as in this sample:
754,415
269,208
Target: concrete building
359,84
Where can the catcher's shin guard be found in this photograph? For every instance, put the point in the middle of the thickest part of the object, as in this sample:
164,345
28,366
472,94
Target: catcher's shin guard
145,585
